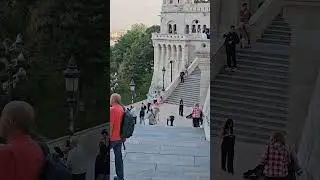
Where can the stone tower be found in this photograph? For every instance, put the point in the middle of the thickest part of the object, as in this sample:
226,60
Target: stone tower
182,34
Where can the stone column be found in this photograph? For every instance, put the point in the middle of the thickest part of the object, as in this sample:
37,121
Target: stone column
185,55
178,61
304,62
156,58
204,65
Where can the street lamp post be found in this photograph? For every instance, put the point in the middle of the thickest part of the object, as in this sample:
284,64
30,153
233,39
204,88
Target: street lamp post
171,68
163,73
133,89
72,82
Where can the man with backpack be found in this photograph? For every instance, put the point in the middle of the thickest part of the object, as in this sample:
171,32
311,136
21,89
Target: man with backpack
231,40
117,112
21,157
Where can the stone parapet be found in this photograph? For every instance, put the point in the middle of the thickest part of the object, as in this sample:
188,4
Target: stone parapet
180,37
187,8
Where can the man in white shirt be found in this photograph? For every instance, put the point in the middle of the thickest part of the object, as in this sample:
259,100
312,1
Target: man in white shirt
77,161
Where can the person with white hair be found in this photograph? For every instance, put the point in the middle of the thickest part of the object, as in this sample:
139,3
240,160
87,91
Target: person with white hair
22,157
77,162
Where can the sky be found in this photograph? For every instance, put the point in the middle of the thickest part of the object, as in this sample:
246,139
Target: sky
125,13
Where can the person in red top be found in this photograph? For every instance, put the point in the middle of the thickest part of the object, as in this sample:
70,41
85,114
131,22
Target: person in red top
116,116
21,158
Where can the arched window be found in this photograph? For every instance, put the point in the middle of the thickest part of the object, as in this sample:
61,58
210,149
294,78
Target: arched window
204,28
199,28
187,29
171,1
193,29
170,28
174,29
178,1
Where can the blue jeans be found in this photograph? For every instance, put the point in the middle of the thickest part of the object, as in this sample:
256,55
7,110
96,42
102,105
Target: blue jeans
116,146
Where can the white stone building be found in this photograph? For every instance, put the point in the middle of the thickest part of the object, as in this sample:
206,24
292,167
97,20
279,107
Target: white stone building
182,35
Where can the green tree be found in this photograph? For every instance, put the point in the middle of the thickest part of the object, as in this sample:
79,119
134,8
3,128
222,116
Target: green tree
133,57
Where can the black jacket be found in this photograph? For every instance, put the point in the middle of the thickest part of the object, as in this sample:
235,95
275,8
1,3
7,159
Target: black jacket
231,39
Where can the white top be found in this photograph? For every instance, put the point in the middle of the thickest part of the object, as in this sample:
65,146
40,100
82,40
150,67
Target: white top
134,112
77,161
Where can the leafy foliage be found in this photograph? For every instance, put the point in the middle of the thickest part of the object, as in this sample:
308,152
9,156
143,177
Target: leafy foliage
131,57
54,30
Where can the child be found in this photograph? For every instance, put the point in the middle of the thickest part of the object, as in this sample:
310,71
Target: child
102,164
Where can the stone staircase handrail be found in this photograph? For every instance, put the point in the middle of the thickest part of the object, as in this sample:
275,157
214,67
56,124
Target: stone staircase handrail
168,91
263,17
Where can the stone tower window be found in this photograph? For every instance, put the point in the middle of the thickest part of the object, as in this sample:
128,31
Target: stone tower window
171,1
170,28
187,29
199,28
178,1
193,29
174,29
204,28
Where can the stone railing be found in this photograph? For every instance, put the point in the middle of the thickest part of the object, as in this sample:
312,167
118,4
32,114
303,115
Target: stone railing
309,150
192,36
196,7
206,115
93,130
263,17
168,91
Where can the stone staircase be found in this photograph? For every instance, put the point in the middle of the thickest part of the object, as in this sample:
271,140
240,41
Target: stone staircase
166,153
255,96
189,91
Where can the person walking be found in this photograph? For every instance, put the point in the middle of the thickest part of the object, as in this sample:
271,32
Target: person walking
133,112
77,162
276,158
227,146
116,116
21,157
245,16
149,100
156,110
142,114
152,117
182,77
231,40
196,111
181,107
102,163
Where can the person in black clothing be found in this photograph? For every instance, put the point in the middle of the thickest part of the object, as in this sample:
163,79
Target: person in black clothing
102,164
207,33
231,40
142,114
227,146
182,77
181,108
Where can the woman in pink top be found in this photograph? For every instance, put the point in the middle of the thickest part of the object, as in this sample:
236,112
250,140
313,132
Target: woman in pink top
196,115
156,109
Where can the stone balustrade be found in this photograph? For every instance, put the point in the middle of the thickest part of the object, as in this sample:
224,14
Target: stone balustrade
172,37
206,115
187,8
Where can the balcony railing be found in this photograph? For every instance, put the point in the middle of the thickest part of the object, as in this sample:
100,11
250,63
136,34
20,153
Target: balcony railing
198,36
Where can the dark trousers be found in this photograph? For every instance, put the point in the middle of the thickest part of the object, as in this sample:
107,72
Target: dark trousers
182,79
231,56
227,156
196,122
116,146
201,121
181,110
149,104
135,120
79,176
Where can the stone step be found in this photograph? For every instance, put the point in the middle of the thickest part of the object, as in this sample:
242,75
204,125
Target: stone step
226,101
250,98
240,138
249,112
263,53
263,121
242,133
279,23
275,36
273,41
263,59
277,32
240,130
251,87
253,80
261,75
248,126
279,27
254,69
261,64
